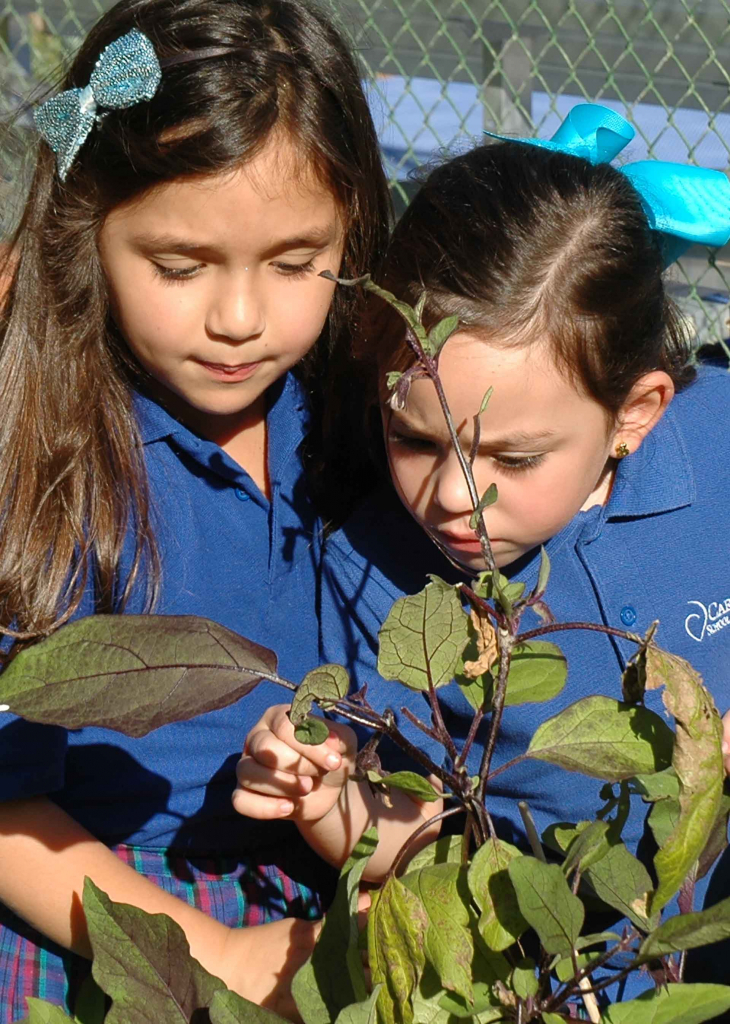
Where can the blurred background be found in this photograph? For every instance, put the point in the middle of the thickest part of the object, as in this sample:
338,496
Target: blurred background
438,72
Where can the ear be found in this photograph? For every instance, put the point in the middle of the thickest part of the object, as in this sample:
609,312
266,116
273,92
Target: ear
644,407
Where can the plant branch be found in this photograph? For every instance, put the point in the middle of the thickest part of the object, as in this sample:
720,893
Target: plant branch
505,642
505,766
414,720
557,627
442,732
441,816
471,735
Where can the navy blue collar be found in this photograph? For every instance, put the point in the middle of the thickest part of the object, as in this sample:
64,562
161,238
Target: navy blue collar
658,477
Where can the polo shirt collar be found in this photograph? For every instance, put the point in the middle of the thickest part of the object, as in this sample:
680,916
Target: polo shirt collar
657,478
286,431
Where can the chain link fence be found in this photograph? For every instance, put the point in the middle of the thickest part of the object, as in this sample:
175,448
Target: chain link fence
440,71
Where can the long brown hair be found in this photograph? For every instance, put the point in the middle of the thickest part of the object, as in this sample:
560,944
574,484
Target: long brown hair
72,478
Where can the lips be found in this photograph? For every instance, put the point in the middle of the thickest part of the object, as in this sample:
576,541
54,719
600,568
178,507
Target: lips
224,371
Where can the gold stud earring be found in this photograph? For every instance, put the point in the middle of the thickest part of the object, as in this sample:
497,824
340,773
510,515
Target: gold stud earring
622,450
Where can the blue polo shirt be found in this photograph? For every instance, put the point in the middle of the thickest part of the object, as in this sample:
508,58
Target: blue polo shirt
659,549
231,555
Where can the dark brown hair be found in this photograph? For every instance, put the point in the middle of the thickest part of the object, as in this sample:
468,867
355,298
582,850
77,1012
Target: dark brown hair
72,476
527,245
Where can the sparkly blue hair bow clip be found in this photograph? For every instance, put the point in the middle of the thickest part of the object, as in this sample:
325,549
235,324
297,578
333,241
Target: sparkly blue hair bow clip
126,73
685,204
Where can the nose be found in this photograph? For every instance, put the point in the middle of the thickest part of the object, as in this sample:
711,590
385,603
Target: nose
450,491
236,311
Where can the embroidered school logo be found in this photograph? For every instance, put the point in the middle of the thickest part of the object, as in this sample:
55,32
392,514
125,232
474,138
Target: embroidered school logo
708,620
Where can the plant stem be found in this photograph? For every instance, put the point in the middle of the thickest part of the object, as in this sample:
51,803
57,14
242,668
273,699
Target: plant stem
414,720
505,641
442,732
441,816
557,627
475,723
505,766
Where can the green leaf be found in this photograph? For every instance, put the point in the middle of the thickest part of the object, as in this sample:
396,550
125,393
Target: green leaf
312,731
441,332
605,739
717,841
41,1012
698,762
663,820
589,846
143,962
552,1018
488,498
445,850
564,967
485,401
392,378
410,782
487,969
407,312
423,637
326,685
543,575
688,931
547,903
90,1004
658,786
685,1004
361,1013
537,672
524,982
122,672
229,1008
449,948
333,976
397,926
618,879
501,920
420,305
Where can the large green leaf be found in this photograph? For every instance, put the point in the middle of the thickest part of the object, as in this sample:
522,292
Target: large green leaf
229,1008
41,1012
440,334
547,903
333,976
397,927
443,892
617,878
501,920
365,1012
423,637
605,739
698,762
143,962
688,931
683,1004
409,782
133,673
537,672
445,849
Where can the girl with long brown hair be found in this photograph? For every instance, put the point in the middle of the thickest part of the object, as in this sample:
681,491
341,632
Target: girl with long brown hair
163,342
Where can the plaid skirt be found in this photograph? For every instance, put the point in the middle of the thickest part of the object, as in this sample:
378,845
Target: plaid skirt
237,892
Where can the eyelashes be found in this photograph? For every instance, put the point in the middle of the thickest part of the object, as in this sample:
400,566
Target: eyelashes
507,464
178,275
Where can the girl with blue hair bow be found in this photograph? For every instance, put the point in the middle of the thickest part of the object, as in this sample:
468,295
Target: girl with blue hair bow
165,342
606,445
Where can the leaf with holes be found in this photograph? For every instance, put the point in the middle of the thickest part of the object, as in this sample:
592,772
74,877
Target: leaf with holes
326,685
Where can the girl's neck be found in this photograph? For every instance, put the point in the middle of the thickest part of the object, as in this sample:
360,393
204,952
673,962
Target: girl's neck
243,436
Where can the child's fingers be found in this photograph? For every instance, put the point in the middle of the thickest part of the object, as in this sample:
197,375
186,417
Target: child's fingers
257,777
328,756
263,808
276,754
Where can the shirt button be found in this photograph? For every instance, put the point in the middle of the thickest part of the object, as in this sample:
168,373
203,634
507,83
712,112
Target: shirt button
628,615
241,494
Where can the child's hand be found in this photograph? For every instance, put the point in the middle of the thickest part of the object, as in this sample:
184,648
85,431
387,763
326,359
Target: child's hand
726,741
281,778
259,962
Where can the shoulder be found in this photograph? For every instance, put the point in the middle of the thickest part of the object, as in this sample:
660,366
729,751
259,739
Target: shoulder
703,408
379,555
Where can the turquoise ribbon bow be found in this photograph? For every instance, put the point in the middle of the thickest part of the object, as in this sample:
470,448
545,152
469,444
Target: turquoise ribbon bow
126,73
685,204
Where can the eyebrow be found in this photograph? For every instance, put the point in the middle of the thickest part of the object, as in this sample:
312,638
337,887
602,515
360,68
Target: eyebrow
517,439
317,238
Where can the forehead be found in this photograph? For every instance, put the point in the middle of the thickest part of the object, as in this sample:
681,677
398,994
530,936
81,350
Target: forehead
274,190
530,394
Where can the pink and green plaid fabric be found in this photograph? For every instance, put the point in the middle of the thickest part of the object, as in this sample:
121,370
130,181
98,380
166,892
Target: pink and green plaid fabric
235,891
